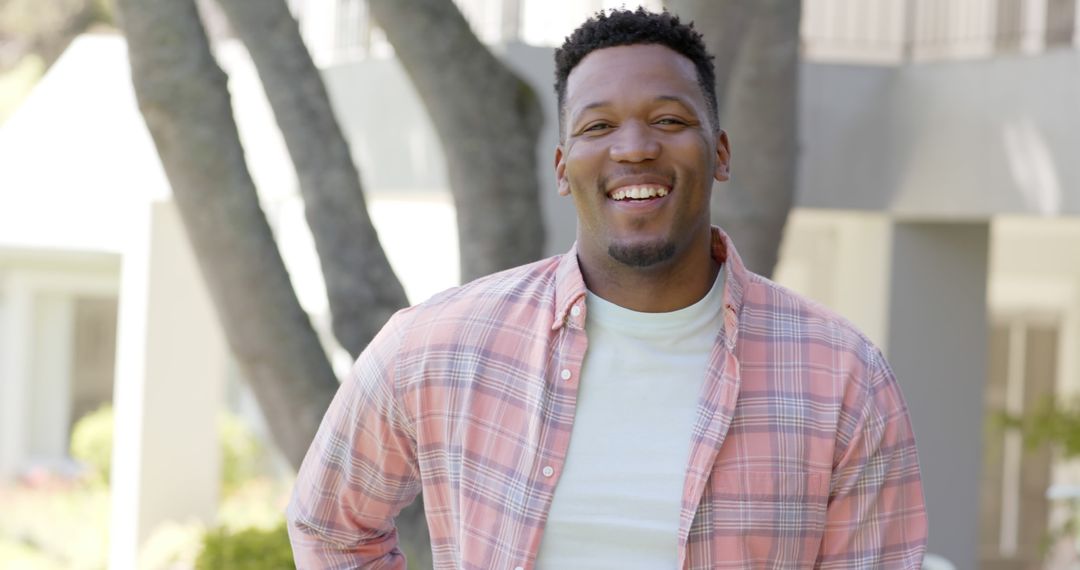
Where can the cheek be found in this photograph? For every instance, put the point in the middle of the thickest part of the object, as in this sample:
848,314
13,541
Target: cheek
584,159
697,160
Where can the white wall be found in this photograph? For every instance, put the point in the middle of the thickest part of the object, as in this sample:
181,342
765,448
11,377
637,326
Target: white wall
946,140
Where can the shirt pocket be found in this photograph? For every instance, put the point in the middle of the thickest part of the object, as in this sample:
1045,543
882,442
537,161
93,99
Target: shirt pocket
767,518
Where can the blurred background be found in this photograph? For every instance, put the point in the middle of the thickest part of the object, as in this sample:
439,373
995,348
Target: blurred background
190,259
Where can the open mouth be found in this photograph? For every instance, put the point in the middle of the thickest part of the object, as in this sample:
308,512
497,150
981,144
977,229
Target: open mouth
640,193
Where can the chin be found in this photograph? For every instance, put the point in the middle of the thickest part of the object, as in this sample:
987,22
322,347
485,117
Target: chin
642,254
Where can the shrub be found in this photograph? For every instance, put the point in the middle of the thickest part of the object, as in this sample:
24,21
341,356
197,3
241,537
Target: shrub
248,549
241,453
91,443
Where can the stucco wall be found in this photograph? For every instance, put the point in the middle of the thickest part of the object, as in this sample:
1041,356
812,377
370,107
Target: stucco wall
965,139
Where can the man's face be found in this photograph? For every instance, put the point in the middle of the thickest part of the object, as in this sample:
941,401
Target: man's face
639,155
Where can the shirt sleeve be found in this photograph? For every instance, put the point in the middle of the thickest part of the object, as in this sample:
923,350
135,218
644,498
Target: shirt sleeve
876,515
359,472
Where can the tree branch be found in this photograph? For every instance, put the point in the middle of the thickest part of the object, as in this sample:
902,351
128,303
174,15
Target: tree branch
488,120
361,286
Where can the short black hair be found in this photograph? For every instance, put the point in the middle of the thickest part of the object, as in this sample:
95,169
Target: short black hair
631,27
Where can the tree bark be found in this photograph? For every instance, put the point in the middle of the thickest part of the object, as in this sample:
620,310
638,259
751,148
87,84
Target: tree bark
723,23
757,55
488,121
184,99
361,286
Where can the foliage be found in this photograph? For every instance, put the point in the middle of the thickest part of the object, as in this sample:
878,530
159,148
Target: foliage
1049,423
33,33
258,502
242,454
249,549
54,527
45,27
17,555
91,443
66,527
172,545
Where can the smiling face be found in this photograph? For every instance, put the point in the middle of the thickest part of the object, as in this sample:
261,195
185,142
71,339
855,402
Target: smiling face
639,158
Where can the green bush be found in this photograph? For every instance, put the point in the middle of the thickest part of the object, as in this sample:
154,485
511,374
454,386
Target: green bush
91,443
248,549
241,454
1051,423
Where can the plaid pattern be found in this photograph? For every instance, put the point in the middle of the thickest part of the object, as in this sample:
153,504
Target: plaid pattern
802,454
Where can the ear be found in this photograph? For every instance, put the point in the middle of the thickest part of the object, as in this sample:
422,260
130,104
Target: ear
723,158
560,172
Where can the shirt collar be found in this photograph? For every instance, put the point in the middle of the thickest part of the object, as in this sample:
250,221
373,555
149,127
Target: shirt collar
570,286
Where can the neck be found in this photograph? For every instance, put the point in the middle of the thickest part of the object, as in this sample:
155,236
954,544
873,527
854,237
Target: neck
668,286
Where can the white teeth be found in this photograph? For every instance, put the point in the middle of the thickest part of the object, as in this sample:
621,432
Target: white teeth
639,192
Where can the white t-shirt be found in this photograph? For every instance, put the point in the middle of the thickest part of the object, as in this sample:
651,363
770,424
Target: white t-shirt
618,500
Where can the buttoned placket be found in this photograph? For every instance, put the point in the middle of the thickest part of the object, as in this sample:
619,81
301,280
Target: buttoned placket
570,357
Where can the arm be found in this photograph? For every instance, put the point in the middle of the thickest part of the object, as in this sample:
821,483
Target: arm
876,516
359,472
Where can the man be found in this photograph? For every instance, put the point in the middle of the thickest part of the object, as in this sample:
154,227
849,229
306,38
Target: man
643,401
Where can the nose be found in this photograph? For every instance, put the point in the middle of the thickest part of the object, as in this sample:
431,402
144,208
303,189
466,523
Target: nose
634,142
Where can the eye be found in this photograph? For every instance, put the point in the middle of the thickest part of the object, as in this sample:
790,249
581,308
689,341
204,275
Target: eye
671,121
597,126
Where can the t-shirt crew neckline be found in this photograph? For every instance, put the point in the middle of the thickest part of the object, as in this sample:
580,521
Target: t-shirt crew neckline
646,325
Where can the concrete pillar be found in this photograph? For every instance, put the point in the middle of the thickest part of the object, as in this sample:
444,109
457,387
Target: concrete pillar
937,347
170,374
14,372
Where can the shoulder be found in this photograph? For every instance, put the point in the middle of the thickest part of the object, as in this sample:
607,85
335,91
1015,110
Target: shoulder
775,314
840,363
824,341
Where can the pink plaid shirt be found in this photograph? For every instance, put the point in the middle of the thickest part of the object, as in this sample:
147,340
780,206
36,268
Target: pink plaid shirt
802,451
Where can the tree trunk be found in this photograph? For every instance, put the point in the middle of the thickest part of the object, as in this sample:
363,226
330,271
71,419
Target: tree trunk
488,121
361,286
723,23
183,97
757,55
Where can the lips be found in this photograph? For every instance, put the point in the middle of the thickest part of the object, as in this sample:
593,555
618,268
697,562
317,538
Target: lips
629,187
638,192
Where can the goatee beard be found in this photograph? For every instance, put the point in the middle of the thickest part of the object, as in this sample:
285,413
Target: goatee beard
642,254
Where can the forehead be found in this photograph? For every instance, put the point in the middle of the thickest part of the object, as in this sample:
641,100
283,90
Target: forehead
646,70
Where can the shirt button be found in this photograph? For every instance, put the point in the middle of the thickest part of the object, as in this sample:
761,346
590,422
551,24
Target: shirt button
548,471
565,374
575,311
